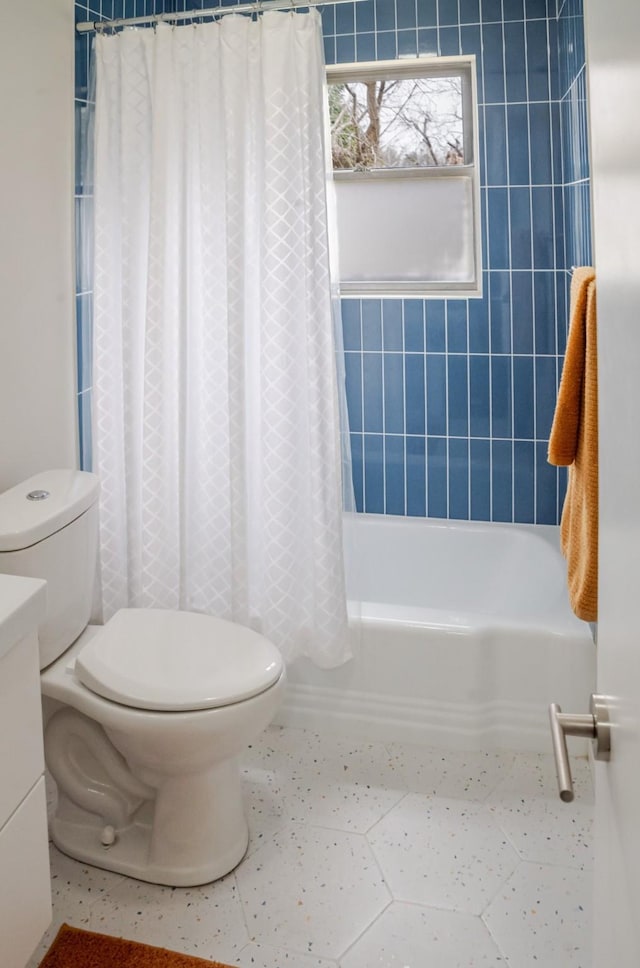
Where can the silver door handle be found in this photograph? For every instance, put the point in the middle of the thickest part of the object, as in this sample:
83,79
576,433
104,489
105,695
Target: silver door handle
593,725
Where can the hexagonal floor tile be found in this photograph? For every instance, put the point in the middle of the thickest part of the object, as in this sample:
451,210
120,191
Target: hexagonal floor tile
542,916
311,890
450,773
205,921
263,956
406,934
442,853
542,828
323,780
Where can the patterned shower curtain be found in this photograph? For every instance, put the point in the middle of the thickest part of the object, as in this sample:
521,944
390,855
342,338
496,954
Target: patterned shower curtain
215,424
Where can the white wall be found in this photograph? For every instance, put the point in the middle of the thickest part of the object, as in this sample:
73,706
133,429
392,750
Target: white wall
37,319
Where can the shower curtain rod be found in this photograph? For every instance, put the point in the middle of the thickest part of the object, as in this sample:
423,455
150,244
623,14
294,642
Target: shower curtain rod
258,7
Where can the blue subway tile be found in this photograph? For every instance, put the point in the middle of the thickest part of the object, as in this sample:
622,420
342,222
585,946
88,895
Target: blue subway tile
537,60
436,395
535,9
513,10
387,46
407,43
366,47
545,312
524,475
500,309
523,399
385,15
372,392
546,487
392,324
437,477
84,337
542,219
479,320
416,476
457,325
353,387
329,42
427,40
492,41
406,14
501,410
414,325
449,41
84,430
501,480
458,396
415,396
345,18
394,475
393,393
471,43
515,60
427,13
436,332
546,382
522,300
479,396
373,474
357,469
469,11
480,474
520,224
345,48
518,140
351,327
458,460
447,13
498,205
540,122
371,324
496,150
491,10
365,16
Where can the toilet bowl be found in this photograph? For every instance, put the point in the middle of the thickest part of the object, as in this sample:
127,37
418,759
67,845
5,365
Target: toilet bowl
145,716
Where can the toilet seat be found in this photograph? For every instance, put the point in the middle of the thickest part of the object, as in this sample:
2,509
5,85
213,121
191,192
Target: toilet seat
166,660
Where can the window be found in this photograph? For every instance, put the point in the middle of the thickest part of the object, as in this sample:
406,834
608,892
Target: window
404,148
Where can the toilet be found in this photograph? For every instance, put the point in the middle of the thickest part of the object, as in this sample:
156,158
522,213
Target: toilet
146,715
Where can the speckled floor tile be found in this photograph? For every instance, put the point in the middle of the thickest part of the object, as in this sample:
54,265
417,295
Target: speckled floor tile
263,956
408,936
311,890
442,853
540,826
205,921
542,917
450,773
324,780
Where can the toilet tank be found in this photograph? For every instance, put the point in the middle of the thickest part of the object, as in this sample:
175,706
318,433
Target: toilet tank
49,529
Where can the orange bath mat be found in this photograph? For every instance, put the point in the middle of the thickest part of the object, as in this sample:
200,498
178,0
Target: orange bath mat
74,948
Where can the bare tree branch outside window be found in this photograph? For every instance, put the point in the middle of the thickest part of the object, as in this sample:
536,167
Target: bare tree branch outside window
407,123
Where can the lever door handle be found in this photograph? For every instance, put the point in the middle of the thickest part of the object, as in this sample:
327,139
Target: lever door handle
593,725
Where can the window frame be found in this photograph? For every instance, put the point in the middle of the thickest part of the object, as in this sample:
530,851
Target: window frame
463,66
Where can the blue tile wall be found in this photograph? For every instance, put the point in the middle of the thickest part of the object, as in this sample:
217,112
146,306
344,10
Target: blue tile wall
450,401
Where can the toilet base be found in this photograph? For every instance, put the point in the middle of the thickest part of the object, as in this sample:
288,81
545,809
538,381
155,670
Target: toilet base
193,832
129,854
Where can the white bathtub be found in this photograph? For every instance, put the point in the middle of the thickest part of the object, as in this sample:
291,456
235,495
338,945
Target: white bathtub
462,636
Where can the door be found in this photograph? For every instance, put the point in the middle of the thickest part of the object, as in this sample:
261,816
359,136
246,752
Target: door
613,58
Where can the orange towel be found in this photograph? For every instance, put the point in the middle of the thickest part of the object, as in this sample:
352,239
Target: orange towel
574,442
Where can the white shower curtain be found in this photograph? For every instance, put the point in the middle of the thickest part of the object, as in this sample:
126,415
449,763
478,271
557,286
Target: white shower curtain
215,427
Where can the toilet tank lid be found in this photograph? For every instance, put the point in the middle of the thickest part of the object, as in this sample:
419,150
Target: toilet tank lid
42,505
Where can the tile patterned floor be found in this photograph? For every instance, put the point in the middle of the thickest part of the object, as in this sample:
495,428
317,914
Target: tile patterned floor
371,855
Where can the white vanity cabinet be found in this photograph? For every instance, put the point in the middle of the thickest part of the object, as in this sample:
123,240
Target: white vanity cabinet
25,890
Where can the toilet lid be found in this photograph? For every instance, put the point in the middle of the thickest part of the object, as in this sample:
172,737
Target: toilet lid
166,660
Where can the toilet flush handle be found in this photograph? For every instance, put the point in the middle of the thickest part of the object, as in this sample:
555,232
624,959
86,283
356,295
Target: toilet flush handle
593,725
